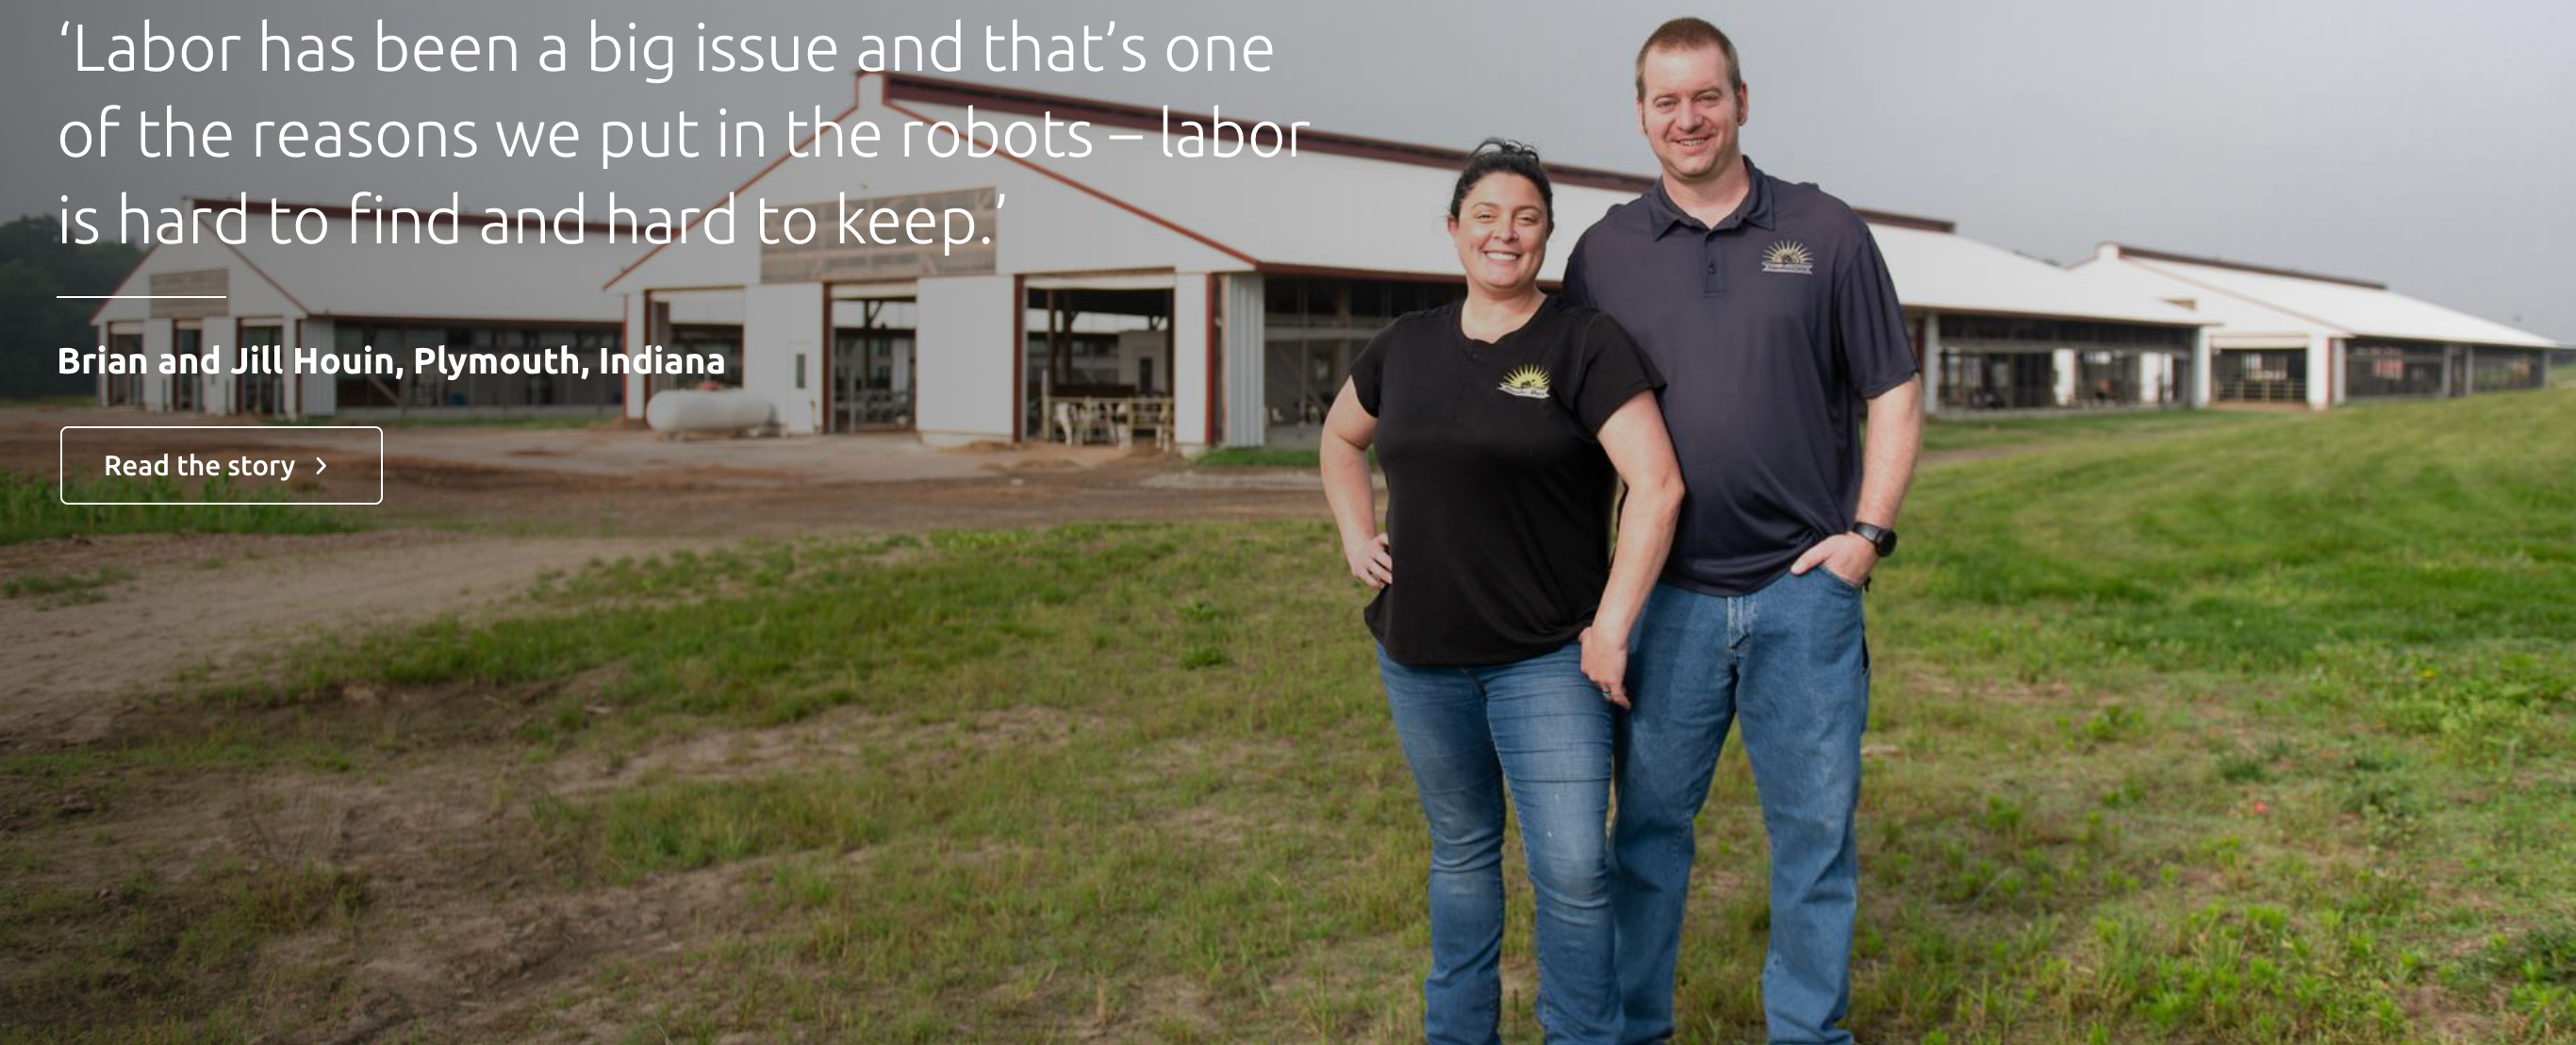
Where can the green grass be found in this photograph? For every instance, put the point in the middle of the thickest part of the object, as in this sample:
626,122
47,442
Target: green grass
31,509
155,934
1941,433
44,402
64,589
1255,457
1962,430
2240,731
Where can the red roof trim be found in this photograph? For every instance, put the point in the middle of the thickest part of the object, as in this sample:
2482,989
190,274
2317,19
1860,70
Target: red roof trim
1114,201
121,281
263,274
931,90
702,215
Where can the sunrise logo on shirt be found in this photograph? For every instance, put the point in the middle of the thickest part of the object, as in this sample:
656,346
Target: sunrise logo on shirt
1790,256
1528,382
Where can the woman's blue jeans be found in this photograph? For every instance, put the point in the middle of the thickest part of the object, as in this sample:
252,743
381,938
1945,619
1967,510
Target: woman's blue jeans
1541,727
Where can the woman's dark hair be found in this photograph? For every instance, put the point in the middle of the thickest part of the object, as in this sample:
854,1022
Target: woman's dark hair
1503,156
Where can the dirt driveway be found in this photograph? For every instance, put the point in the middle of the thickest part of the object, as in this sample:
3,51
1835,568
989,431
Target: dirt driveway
473,514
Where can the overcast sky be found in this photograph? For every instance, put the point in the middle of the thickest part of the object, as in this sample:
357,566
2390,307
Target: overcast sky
2425,146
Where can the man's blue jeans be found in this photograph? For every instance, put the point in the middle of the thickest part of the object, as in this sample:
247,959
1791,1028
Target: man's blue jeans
1541,726
1790,662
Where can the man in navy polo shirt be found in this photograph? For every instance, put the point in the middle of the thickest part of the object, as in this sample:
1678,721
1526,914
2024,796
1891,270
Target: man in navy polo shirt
1770,313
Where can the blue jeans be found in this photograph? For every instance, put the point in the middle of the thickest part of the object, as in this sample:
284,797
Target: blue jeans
1540,726
1791,663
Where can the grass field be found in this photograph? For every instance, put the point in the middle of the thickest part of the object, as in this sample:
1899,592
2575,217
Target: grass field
1967,431
1942,434
1256,457
32,508
2236,731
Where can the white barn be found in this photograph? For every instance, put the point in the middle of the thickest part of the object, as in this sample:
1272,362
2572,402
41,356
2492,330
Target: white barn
343,297
2284,336
1232,293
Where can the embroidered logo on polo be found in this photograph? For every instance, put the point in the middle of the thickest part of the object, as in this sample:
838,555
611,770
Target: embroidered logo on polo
1527,382
1791,256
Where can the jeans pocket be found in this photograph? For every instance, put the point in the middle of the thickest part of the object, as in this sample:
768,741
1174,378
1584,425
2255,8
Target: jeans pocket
1838,579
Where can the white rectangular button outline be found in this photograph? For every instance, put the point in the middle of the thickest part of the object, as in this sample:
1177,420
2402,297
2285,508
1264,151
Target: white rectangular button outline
62,473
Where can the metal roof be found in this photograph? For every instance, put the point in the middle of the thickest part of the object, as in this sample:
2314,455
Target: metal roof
2255,299
1335,211
1360,206
467,280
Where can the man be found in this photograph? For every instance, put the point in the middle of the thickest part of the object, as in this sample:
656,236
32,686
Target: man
1769,311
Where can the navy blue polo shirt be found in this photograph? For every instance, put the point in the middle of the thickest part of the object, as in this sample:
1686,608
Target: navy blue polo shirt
1770,329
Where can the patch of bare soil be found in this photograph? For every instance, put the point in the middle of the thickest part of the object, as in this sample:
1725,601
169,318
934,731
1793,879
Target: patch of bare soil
74,668
834,738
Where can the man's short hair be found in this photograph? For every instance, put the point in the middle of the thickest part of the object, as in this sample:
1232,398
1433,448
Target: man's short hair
1689,34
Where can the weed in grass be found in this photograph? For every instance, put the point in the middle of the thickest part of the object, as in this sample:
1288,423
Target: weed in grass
2113,723
2543,955
65,589
2240,767
2004,817
2122,796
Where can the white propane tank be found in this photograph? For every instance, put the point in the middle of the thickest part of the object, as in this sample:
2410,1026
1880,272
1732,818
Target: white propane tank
680,412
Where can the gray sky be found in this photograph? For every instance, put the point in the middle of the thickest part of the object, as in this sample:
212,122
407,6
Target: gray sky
2425,146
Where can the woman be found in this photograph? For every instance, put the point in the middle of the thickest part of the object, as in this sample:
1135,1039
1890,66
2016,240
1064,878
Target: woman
1502,422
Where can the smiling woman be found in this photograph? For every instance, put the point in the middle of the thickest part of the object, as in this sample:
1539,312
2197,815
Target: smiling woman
1505,422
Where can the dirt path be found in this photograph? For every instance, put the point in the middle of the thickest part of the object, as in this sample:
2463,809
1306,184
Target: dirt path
209,600
533,501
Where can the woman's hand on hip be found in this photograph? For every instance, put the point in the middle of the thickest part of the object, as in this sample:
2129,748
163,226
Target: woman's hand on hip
1605,662
1371,561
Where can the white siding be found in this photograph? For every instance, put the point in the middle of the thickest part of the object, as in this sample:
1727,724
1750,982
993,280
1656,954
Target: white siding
781,324
1190,384
968,361
1245,345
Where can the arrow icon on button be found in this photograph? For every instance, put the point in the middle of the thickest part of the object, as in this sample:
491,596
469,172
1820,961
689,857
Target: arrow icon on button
320,466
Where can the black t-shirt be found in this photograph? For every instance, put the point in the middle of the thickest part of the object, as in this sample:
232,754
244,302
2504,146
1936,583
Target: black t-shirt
1498,513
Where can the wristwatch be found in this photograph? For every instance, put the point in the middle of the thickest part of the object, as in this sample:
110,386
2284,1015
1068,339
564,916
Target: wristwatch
1883,538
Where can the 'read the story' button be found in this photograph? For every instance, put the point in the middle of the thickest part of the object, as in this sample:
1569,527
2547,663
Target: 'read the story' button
215,465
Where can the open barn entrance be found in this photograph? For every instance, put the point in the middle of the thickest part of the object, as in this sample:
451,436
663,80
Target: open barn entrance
1097,362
